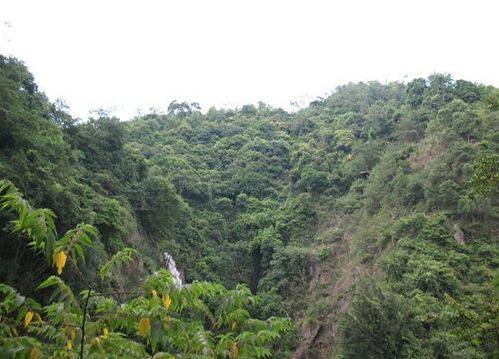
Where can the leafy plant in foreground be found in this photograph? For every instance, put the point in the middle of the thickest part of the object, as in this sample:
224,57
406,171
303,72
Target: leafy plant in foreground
159,319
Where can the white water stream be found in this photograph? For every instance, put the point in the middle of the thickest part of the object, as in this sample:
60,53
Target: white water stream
172,267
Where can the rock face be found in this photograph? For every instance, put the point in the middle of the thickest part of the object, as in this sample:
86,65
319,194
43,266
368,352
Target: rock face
310,335
458,234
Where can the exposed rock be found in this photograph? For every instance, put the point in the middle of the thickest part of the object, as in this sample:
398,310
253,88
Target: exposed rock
458,234
311,334
364,174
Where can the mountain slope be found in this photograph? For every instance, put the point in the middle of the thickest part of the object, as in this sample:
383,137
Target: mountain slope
342,214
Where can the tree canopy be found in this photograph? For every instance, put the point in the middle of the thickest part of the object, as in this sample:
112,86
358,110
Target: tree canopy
369,218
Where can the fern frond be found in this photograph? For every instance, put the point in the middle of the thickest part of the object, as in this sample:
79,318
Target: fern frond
120,258
62,291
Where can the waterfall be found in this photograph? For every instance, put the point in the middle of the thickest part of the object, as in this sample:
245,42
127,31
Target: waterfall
172,267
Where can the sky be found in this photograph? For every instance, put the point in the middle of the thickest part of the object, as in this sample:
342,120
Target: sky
128,55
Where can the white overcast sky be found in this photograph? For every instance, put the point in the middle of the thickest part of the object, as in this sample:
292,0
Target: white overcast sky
141,54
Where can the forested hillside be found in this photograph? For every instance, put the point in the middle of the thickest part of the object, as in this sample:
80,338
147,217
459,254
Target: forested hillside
369,218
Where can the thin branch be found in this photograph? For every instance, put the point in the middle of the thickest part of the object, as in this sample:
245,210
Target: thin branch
83,324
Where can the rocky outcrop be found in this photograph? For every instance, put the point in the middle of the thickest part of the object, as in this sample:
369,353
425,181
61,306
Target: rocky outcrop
309,335
458,234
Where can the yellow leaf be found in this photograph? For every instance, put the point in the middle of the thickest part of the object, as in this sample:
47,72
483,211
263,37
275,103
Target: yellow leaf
233,326
69,345
34,353
234,351
105,332
167,301
60,261
28,318
144,326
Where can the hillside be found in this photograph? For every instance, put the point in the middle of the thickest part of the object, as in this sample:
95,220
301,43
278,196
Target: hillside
369,217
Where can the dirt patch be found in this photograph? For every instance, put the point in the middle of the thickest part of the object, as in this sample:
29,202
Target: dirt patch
426,152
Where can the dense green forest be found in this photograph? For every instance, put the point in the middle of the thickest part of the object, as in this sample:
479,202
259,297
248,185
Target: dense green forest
365,225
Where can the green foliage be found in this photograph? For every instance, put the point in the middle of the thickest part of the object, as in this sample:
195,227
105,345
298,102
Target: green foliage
35,224
324,254
194,320
375,180
485,179
380,325
122,257
431,276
